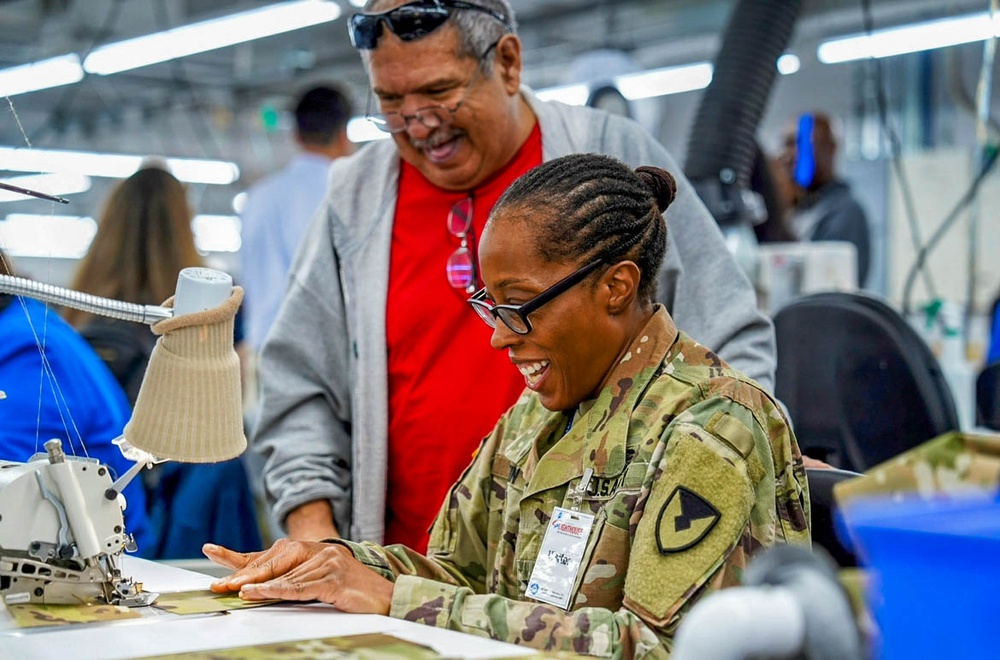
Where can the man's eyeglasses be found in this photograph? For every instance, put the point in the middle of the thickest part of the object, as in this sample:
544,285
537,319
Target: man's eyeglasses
430,116
410,21
461,266
515,317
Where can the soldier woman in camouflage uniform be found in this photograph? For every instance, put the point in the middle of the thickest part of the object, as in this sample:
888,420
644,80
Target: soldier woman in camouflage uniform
636,473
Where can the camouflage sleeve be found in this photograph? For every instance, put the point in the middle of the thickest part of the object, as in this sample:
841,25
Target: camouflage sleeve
693,539
591,631
463,515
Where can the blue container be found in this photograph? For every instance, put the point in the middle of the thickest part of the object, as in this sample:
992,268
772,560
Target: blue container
936,576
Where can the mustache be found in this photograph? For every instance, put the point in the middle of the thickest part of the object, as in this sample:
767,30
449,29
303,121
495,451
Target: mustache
438,137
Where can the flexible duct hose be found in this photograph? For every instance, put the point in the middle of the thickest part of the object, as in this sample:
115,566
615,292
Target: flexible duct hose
722,142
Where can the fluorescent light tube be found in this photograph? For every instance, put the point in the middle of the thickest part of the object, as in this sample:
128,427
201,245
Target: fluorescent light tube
209,35
217,233
569,94
908,39
50,184
55,236
53,72
360,129
115,166
641,85
661,82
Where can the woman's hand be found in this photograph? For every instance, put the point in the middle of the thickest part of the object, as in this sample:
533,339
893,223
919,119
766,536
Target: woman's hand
302,570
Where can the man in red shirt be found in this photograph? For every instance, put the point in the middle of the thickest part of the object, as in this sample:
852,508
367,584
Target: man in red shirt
378,382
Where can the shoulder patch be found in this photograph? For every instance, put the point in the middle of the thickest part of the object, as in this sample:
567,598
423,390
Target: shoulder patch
685,519
695,515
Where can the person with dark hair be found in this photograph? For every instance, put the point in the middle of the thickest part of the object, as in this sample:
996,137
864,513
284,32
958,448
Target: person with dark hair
636,473
53,385
280,207
823,206
376,382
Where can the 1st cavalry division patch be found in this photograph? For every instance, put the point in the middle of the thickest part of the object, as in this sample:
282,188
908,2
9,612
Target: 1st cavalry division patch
685,519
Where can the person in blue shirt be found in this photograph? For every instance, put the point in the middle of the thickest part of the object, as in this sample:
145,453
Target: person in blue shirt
993,354
280,207
77,401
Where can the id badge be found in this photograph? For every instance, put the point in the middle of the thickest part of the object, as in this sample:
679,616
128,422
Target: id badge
559,559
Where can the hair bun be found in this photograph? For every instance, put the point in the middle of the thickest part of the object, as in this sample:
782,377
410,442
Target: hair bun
660,182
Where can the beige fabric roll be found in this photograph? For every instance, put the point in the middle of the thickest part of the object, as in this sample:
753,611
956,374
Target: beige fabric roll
189,407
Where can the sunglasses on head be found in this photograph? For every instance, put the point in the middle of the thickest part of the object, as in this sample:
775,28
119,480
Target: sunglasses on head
413,20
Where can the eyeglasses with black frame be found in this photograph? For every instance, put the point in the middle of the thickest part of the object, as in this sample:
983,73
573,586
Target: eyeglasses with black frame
515,317
430,116
411,21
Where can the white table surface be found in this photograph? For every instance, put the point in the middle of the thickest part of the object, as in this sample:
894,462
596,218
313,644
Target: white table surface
158,632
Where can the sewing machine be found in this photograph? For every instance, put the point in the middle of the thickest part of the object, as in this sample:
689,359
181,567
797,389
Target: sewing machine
62,528
62,532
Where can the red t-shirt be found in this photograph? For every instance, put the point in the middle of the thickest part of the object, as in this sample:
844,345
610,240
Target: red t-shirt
447,385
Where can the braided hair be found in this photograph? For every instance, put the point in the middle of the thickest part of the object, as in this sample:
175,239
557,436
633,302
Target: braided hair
596,207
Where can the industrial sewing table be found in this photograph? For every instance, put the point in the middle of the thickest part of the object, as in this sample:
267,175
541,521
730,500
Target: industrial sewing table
167,633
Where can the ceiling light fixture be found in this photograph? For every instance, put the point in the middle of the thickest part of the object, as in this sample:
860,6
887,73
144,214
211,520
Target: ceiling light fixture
50,184
788,64
53,72
360,130
575,94
911,38
662,82
641,85
217,233
52,236
210,35
115,166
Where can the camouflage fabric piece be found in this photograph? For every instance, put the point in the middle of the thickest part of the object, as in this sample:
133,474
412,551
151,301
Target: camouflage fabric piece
369,646
694,469
203,601
38,615
952,465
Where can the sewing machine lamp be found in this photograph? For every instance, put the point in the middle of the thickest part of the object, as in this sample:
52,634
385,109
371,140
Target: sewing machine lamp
62,527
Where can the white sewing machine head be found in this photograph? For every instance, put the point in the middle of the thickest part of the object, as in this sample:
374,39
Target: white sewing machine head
62,533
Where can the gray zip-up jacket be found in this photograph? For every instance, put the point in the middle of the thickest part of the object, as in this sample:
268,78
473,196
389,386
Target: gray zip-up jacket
323,420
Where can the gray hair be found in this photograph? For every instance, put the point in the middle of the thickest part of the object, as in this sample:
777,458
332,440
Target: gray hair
477,30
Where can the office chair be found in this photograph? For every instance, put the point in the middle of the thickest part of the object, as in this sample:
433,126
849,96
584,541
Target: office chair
988,396
859,384
824,508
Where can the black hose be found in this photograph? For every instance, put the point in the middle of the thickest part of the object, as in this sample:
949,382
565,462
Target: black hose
722,142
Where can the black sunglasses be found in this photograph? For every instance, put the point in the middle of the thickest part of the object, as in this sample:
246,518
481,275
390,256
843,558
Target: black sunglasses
410,21
515,317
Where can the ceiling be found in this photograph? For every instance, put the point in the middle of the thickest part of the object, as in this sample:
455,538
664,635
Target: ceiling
210,105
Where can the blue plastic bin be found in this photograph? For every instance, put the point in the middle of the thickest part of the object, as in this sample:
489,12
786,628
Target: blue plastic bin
936,576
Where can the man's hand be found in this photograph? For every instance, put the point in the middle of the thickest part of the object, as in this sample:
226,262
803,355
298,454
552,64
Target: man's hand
299,570
312,521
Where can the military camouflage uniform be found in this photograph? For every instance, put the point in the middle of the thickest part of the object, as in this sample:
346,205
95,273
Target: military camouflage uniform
951,465
694,469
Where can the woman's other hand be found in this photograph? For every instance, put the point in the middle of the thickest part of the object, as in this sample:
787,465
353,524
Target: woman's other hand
302,570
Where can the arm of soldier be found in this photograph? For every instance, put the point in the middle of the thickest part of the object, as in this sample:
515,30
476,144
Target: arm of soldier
692,528
303,428
457,552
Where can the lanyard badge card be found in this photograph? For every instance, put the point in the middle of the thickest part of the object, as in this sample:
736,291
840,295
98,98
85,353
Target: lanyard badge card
561,554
